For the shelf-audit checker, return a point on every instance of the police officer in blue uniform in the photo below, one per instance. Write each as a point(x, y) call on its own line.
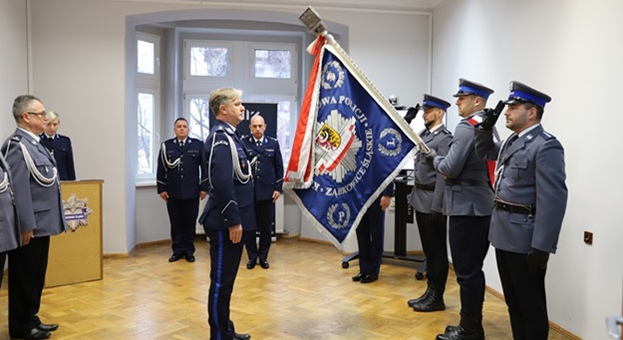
point(427, 201)
point(60, 147)
point(37, 193)
point(468, 199)
point(529, 206)
point(9, 226)
point(267, 169)
point(370, 236)
point(230, 210)
point(182, 181)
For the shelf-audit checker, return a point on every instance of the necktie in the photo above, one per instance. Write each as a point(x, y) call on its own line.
point(258, 143)
point(181, 143)
point(511, 140)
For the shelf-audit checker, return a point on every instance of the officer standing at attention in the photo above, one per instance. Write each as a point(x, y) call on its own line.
point(230, 210)
point(37, 192)
point(468, 201)
point(267, 169)
point(10, 237)
point(427, 201)
point(60, 147)
point(529, 206)
point(182, 182)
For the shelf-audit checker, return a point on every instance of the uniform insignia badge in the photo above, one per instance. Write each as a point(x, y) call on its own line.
point(529, 137)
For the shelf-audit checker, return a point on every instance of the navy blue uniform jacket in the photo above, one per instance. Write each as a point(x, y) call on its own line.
point(268, 167)
point(230, 200)
point(188, 177)
point(60, 147)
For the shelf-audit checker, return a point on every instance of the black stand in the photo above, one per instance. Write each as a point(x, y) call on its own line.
point(403, 215)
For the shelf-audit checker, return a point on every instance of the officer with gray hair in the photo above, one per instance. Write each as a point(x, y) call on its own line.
point(40, 211)
point(529, 206)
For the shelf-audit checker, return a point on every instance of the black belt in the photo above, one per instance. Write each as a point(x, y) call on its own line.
point(514, 208)
point(466, 182)
point(425, 187)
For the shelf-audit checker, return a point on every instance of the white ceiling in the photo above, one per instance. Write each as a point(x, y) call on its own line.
point(388, 5)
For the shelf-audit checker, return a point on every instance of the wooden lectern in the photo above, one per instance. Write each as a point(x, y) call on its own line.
point(76, 256)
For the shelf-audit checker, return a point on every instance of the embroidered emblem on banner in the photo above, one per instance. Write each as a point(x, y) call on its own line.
point(338, 145)
point(332, 76)
point(390, 142)
point(338, 216)
point(76, 212)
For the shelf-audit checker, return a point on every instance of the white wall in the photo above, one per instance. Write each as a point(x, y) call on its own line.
point(79, 67)
point(14, 65)
point(571, 50)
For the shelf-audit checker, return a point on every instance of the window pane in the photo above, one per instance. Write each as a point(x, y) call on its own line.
point(146, 57)
point(283, 129)
point(208, 61)
point(145, 134)
point(273, 64)
point(199, 123)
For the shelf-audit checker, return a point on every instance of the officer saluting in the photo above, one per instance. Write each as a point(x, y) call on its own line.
point(182, 181)
point(468, 203)
point(528, 208)
point(9, 226)
point(230, 209)
point(40, 213)
point(427, 200)
point(267, 169)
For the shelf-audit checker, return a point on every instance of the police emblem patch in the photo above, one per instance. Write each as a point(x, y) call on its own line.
point(76, 212)
point(338, 145)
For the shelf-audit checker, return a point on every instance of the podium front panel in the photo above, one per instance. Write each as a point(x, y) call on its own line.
point(76, 256)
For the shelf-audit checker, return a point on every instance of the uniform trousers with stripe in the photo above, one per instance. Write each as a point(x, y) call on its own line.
point(224, 259)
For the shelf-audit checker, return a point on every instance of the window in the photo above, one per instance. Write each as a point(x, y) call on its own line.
point(273, 64)
point(148, 104)
point(198, 108)
point(145, 133)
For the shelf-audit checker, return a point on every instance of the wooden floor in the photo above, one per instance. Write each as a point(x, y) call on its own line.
point(304, 295)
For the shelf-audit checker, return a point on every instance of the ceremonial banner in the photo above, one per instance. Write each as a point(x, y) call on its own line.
point(350, 144)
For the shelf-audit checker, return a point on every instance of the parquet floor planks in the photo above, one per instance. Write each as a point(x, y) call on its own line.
point(305, 295)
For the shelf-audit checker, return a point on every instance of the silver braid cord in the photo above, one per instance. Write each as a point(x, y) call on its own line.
point(5, 182)
point(242, 177)
point(39, 177)
point(165, 161)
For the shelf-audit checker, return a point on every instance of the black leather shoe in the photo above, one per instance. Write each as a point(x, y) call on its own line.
point(190, 258)
point(47, 327)
point(33, 334)
point(369, 278)
point(175, 258)
point(251, 264)
point(264, 264)
point(358, 277)
point(241, 336)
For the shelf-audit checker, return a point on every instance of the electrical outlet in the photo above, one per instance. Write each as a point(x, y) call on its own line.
point(588, 237)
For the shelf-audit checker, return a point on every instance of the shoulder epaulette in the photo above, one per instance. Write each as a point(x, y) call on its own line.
point(271, 138)
point(546, 135)
point(16, 138)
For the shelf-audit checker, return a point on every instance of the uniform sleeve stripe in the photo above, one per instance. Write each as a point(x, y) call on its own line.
point(227, 206)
